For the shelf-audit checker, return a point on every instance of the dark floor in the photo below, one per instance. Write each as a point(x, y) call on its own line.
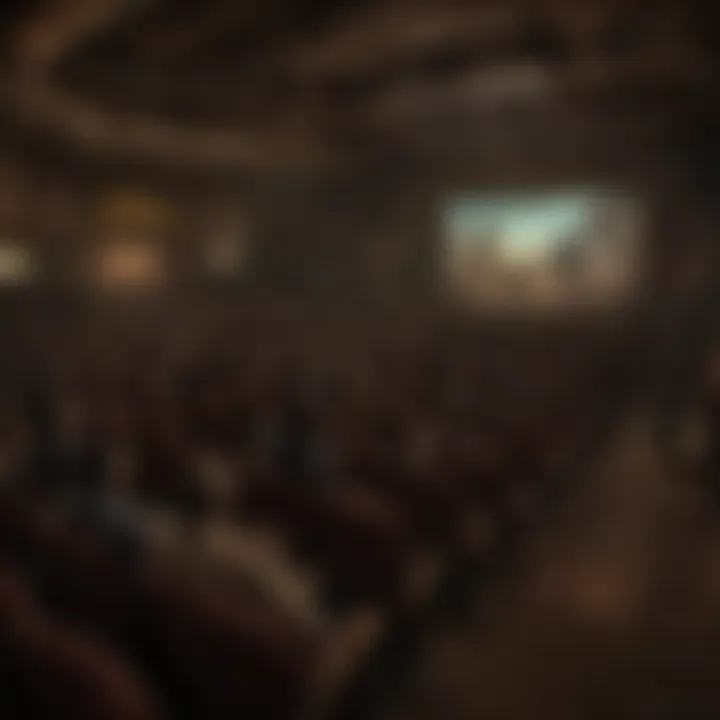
point(614, 611)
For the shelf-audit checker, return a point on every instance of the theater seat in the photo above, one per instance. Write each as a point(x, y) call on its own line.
point(359, 538)
point(208, 650)
point(88, 681)
point(233, 658)
point(365, 542)
point(15, 595)
point(48, 670)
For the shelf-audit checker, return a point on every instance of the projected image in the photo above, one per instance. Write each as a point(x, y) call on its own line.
point(548, 251)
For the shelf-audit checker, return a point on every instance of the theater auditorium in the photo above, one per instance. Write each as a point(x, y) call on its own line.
point(359, 360)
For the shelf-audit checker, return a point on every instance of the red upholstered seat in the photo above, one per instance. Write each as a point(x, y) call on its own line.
point(364, 540)
point(431, 505)
point(50, 670)
point(15, 595)
point(209, 651)
point(78, 579)
point(234, 656)
point(277, 503)
point(359, 537)
point(59, 673)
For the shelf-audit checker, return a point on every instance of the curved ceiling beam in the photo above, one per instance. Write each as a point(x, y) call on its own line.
point(483, 86)
point(57, 114)
point(388, 34)
point(50, 33)
point(31, 97)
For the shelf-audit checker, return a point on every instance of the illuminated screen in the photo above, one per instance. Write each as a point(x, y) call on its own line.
point(541, 252)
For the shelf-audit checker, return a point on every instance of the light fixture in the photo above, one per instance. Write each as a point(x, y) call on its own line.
point(131, 264)
point(17, 266)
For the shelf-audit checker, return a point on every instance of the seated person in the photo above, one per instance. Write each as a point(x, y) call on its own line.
point(295, 441)
point(74, 460)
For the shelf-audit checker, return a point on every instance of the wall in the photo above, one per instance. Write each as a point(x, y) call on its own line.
point(370, 239)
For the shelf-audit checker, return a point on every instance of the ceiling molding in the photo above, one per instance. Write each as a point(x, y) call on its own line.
point(387, 34)
point(319, 87)
point(33, 99)
point(59, 115)
point(45, 37)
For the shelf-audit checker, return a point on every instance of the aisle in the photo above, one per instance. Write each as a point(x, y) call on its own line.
point(614, 613)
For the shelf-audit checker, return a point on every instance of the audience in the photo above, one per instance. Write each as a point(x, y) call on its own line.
point(167, 492)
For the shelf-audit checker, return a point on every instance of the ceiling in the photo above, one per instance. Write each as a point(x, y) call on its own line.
point(327, 83)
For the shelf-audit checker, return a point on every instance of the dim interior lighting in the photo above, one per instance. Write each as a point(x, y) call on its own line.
point(16, 264)
point(226, 255)
point(131, 264)
point(544, 251)
point(507, 82)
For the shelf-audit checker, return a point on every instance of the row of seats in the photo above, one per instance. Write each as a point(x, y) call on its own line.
point(196, 607)
point(205, 647)
point(210, 649)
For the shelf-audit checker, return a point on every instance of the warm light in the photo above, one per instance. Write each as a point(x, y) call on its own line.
point(123, 209)
point(16, 264)
point(131, 264)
